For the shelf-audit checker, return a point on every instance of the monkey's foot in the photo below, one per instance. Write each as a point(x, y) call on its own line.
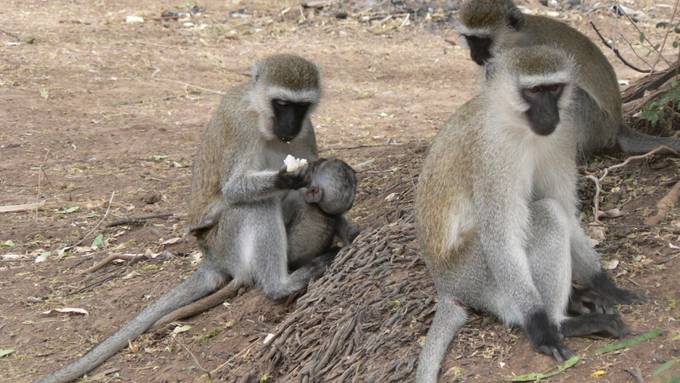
point(546, 338)
point(601, 296)
point(595, 323)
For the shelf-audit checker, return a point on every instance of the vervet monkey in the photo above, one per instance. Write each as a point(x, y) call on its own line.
point(496, 212)
point(238, 164)
point(314, 215)
point(599, 116)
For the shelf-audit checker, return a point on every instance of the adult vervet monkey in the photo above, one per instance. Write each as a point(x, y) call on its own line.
point(239, 165)
point(600, 125)
point(496, 210)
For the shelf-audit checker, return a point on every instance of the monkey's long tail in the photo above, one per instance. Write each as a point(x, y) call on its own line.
point(633, 142)
point(203, 281)
point(448, 319)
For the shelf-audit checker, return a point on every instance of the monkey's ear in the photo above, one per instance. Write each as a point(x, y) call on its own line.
point(255, 72)
point(312, 194)
point(515, 19)
point(489, 71)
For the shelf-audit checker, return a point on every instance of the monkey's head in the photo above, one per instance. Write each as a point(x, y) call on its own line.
point(284, 91)
point(480, 22)
point(535, 83)
point(332, 186)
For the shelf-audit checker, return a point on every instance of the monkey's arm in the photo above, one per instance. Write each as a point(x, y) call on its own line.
point(253, 186)
point(291, 205)
point(346, 230)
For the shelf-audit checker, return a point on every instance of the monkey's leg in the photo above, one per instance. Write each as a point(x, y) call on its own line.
point(633, 142)
point(203, 281)
point(601, 292)
point(271, 262)
point(550, 264)
point(594, 323)
point(448, 319)
point(209, 218)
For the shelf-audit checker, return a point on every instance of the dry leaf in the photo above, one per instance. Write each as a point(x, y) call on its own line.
point(598, 373)
point(67, 310)
point(171, 241)
point(610, 265)
point(181, 329)
point(613, 213)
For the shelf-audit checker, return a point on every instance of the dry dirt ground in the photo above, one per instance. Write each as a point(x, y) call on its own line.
point(99, 118)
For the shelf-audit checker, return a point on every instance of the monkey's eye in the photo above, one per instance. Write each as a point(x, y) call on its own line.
point(280, 102)
point(555, 88)
point(533, 91)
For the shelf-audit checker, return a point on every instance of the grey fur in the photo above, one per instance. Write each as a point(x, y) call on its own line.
point(600, 119)
point(236, 205)
point(496, 212)
point(311, 227)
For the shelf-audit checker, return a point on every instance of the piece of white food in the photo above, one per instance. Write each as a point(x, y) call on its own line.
point(294, 164)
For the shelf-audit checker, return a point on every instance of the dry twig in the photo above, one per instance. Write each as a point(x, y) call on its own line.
point(664, 205)
point(194, 358)
point(96, 226)
point(137, 220)
point(617, 52)
point(598, 181)
point(114, 257)
point(23, 207)
point(665, 37)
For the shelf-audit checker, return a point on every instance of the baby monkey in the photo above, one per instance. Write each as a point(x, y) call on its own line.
point(314, 215)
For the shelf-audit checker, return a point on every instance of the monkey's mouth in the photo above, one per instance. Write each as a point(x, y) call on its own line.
point(286, 139)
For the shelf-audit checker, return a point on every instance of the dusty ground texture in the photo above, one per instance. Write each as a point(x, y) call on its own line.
point(99, 118)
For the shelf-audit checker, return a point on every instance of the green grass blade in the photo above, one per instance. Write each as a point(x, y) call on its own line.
point(536, 376)
point(628, 342)
point(665, 366)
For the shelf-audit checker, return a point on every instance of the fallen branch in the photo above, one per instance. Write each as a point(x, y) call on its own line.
point(664, 205)
point(137, 220)
point(96, 226)
point(114, 257)
point(617, 52)
point(201, 305)
point(598, 181)
point(23, 207)
point(649, 83)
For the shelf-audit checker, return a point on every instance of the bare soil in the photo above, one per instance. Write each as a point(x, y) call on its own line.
point(100, 118)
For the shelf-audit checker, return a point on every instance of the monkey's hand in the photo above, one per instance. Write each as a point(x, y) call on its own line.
point(585, 301)
point(545, 337)
point(294, 180)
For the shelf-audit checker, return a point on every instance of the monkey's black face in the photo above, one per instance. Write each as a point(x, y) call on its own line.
point(544, 112)
point(480, 48)
point(288, 118)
